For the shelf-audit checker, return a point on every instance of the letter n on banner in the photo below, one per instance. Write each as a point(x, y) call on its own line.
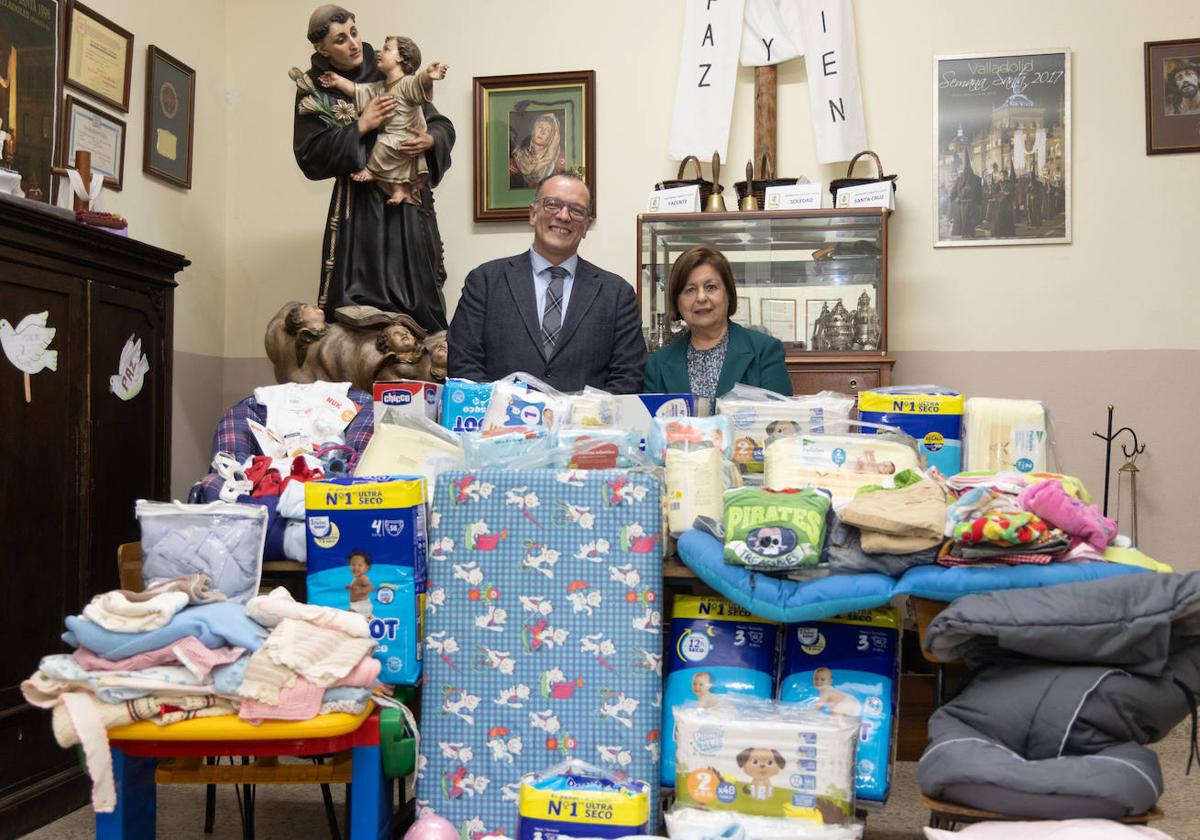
point(712, 38)
point(835, 97)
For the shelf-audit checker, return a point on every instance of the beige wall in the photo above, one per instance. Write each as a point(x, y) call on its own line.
point(1108, 318)
point(191, 222)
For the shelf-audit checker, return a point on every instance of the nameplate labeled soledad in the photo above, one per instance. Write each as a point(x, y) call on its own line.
point(675, 200)
point(881, 194)
point(793, 197)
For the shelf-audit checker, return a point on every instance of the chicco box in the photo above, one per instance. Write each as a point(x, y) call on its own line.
point(406, 396)
point(637, 410)
point(848, 667)
point(931, 415)
point(464, 403)
point(366, 553)
point(717, 648)
point(577, 799)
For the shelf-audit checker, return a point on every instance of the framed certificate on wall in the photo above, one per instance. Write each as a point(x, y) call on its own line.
point(170, 115)
point(87, 129)
point(99, 57)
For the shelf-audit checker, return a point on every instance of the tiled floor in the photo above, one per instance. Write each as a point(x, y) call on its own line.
point(288, 812)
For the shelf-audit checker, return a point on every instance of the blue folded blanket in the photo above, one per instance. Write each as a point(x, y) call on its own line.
point(215, 625)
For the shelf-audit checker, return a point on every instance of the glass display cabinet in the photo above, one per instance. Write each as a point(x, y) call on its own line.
point(814, 279)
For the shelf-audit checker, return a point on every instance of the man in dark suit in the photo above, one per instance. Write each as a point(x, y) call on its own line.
point(547, 312)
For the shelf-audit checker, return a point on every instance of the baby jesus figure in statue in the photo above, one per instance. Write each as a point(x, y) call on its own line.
point(399, 175)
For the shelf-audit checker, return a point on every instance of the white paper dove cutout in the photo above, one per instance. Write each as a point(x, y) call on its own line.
point(27, 346)
point(132, 370)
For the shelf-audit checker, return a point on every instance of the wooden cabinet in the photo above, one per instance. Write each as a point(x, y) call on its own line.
point(847, 375)
point(74, 460)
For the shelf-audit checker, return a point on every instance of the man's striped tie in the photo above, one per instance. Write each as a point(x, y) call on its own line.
point(552, 314)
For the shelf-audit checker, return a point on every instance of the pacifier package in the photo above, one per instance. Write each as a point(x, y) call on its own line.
point(366, 553)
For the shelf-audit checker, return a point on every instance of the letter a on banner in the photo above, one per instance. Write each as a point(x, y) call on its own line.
point(835, 97)
point(712, 37)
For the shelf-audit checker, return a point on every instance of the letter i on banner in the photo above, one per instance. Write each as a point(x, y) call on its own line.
point(835, 97)
point(712, 37)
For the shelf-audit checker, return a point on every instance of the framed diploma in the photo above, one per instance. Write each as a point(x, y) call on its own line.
point(87, 129)
point(170, 118)
point(99, 57)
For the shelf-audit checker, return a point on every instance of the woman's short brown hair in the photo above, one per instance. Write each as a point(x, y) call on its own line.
point(689, 261)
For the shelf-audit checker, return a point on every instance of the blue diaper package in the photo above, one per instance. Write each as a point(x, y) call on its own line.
point(716, 648)
point(932, 415)
point(464, 403)
point(849, 666)
point(366, 553)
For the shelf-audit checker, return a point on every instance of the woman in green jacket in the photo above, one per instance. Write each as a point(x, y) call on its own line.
point(715, 354)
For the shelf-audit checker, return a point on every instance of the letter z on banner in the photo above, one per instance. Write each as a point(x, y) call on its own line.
point(712, 37)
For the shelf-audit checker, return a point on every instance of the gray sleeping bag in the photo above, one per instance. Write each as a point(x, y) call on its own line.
point(1067, 683)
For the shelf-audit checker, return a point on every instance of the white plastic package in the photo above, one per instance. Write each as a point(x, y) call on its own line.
point(667, 430)
point(697, 824)
point(1001, 435)
point(756, 413)
point(223, 540)
point(520, 399)
point(839, 463)
point(695, 484)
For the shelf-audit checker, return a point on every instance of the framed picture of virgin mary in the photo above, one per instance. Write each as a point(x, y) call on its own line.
point(526, 128)
point(31, 37)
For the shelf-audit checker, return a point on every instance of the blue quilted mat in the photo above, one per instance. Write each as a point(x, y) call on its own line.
point(543, 635)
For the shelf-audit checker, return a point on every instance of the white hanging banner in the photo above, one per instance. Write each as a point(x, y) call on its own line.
point(772, 32)
point(834, 94)
point(712, 35)
point(90, 192)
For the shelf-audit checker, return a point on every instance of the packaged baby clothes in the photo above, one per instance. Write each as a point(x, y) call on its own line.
point(505, 447)
point(464, 403)
point(592, 407)
point(636, 411)
point(695, 484)
point(665, 431)
point(775, 531)
point(223, 540)
point(756, 414)
point(931, 414)
point(767, 759)
point(848, 667)
point(598, 448)
point(366, 553)
point(514, 403)
point(840, 464)
point(577, 799)
point(717, 648)
point(1004, 435)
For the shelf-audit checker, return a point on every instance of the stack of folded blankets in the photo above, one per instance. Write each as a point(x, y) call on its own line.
point(179, 651)
point(1008, 519)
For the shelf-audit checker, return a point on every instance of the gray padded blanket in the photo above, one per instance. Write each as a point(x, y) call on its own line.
point(1068, 681)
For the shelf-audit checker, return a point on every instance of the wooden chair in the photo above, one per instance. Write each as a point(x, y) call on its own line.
point(925, 611)
point(949, 816)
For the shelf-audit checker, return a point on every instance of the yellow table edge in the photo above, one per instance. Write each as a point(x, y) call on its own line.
point(233, 728)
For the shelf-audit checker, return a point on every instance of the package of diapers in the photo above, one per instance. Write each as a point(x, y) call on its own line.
point(667, 430)
point(695, 477)
point(717, 648)
point(775, 531)
point(464, 403)
point(515, 403)
point(840, 463)
point(849, 667)
point(577, 799)
point(366, 553)
point(767, 759)
point(931, 414)
point(757, 413)
point(1001, 435)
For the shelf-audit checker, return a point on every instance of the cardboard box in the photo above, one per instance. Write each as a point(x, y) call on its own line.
point(406, 396)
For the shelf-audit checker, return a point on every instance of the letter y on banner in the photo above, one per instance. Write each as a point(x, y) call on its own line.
point(712, 38)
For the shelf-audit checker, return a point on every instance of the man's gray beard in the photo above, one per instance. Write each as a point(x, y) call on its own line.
point(1188, 90)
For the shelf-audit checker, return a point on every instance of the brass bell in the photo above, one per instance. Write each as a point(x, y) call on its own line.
point(716, 201)
point(749, 202)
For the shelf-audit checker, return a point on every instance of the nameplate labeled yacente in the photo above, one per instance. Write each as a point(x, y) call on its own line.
point(675, 200)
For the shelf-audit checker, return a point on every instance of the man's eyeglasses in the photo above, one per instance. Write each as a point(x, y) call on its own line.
point(553, 205)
